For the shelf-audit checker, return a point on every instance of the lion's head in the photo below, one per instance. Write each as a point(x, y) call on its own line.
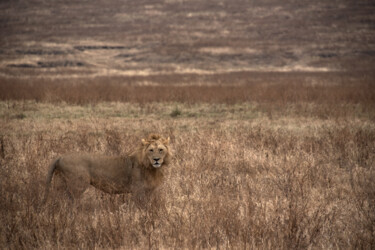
point(155, 151)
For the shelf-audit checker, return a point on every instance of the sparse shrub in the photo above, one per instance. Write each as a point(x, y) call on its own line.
point(20, 116)
point(175, 112)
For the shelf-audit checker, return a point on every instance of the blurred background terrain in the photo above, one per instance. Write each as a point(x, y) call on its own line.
point(183, 39)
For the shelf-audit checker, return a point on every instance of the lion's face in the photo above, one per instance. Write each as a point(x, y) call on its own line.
point(156, 151)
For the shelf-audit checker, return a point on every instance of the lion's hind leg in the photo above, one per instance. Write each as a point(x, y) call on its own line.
point(69, 187)
point(76, 185)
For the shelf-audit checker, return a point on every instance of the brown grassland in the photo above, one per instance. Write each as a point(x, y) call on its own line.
point(275, 165)
point(270, 107)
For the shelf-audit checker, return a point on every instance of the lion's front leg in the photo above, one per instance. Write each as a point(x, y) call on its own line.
point(148, 199)
point(141, 197)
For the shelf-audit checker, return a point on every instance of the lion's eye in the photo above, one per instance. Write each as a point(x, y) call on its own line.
point(160, 150)
point(151, 150)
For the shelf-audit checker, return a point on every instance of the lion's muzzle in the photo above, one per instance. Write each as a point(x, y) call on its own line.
point(157, 163)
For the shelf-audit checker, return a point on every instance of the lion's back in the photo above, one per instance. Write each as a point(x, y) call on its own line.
point(94, 164)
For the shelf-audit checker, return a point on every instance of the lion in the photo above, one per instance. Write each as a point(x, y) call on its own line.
point(139, 173)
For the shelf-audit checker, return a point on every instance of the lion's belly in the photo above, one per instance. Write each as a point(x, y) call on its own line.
point(110, 186)
point(112, 179)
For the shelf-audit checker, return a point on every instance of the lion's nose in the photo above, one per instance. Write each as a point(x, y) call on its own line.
point(156, 159)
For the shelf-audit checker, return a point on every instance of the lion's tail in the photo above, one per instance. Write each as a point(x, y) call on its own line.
point(51, 171)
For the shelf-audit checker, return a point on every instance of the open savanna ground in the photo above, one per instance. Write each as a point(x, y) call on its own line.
point(97, 38)
point(290, 166)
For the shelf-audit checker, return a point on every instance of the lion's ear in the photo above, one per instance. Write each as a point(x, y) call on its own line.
point(166, 141)
point(144, 142)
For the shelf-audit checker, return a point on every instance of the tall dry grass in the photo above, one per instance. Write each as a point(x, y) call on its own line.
point(267, 173)
point(230, 88)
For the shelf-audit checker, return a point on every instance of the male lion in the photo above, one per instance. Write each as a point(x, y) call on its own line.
point(139, 173)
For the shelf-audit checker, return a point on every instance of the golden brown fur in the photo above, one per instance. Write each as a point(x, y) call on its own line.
point(138, 173)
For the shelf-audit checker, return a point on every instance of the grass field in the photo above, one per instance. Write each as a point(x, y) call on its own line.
point(255, 166)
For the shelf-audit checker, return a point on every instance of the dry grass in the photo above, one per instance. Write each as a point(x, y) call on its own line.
point(272, 169)
point(237, 87)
